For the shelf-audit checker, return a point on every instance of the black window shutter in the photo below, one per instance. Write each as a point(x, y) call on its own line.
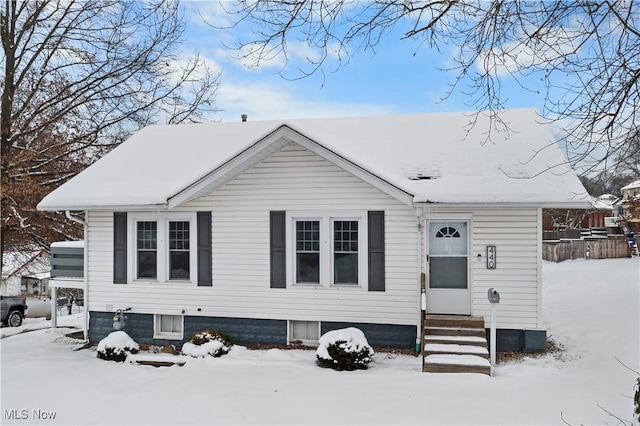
point(277, 249)
point(205, 270)
point(119, 248)
point(376, 251)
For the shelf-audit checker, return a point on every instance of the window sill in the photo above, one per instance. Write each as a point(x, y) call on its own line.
point(168, 336)
point(158, 282)
point(337, 286)
point(307, 285)
point(340, 286)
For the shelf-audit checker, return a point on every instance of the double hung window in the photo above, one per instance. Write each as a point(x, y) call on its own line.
point(329, 250)
point(179, 250)
point(147, 249)
point(345, 252)
point(308, 251)
point(164, 249)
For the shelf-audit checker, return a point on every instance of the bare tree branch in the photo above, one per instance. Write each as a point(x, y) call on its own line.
point(79, 76)
point(586, 54)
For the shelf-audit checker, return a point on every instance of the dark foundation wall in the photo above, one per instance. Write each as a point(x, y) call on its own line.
point(520, 340)
point(245, 331)
point(140, 328)
point(379, 335)
point(265, 331)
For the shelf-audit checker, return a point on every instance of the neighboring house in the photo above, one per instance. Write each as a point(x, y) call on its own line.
point(629, 207)
point(602, 213)
point(598, 219)
point(276, 231)
point(25, 272)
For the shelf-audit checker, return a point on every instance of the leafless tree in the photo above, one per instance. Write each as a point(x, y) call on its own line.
point(629, 156)
point(79, 76)
point(583, 55)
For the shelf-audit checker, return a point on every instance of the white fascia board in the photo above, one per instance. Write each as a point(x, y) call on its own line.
point(267, 146)
point(122, 207)
point(582, 205)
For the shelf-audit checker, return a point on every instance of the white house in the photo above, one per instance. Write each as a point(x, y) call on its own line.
point(627, 207)
point(275, 231)
point(25, 272)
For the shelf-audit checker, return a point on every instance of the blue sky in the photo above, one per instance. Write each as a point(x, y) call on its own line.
point(399, 77)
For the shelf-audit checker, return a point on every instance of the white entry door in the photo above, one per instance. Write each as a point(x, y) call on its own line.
point(448, 262)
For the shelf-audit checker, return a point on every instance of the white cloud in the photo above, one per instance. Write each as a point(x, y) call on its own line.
point(178, 67)
point(295, 54)
point(262, 101)
point(205, 13)
point(510, 58)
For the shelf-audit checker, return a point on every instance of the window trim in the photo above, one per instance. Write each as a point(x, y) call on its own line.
point(162, 251)
point(362, 250)
point(159, 334)
point(307, 342)
point(192, 249)
point(294, 225)
point(326, 219)
point(137, 251)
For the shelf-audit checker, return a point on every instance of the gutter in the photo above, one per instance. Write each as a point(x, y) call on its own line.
point(85, 272)
point(582, 205)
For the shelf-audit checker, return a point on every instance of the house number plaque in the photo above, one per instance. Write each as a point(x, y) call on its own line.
point(491, 257)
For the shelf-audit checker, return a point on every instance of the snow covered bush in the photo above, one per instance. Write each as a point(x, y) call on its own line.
point(115, 347)
point(207, 342)
point(344, 349)
point(636, 404)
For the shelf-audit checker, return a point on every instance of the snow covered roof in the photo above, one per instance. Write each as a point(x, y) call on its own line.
point(29, 262)
point(420, 158)
point(68, 244)
point(604, 202)
point(633, 185)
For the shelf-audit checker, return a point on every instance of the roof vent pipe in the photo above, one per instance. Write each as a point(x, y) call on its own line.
point(243, 117)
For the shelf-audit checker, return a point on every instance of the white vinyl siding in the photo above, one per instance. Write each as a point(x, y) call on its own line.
point(514, 232)
point(292, 179)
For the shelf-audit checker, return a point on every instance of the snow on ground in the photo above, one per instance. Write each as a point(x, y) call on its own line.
point(75, 320)
point(591, 307)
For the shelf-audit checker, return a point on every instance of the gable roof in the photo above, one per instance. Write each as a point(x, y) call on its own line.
point(419, 158)
point(35, 261)
point(633, 185)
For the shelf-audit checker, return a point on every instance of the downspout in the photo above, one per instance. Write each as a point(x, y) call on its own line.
point(85, 277)
point(420, 274)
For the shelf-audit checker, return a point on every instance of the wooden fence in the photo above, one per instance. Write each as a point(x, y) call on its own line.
point(587, 248)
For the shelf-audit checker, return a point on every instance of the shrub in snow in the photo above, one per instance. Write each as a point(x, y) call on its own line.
point(345, 349)
point(636, 404)
point(207, 342)
point(115, 347)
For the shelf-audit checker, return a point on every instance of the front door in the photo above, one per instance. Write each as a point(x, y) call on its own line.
point(448, 261)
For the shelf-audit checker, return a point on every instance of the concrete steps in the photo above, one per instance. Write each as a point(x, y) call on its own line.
point(455, 344)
